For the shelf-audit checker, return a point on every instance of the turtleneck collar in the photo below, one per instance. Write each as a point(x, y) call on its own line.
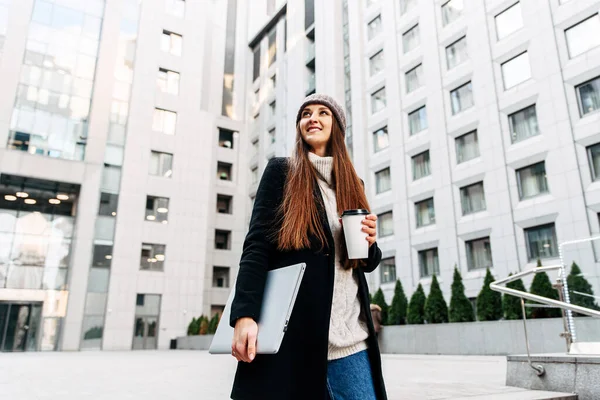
point(322, 164)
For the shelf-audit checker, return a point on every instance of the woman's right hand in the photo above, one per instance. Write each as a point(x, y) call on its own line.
point(243, 347)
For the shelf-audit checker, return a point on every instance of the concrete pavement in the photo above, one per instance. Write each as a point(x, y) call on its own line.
point(181, 374)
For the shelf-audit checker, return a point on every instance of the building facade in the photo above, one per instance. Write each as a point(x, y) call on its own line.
point(133, 136)
point(120, 159)
point(475, 125)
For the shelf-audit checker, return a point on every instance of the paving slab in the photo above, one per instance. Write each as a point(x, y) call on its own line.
point(184, 374)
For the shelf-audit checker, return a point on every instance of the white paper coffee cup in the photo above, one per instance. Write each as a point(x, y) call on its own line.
point(356, 242)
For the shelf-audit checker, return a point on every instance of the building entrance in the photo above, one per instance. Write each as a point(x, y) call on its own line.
point(19, 323)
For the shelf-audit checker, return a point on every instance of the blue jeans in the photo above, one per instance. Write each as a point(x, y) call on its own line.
point(349, 378)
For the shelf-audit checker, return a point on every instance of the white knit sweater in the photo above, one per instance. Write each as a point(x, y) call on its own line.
point(347, 328)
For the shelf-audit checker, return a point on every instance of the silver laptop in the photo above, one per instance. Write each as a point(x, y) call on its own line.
point(281, 289)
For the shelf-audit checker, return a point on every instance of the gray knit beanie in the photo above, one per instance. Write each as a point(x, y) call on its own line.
point(328, 101)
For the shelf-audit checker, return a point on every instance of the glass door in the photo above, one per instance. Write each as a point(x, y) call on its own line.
point(19, 326)
point(145, 334)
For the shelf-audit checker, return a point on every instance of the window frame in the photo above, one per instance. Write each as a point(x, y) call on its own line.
point(430, 210)
point(385, 266)
point(448, 67)
point(511, 127)
point(413, 165)
point(378, 180)
point(379, 225)
point(530, 256)
point(406, 50)
point(519, 181)
point(469, 253)
point(464, 194)
point(571, 56)
point(422, 255)
point(579, 101)
point(498, 38)
point(459, 160)
point(462, 109)
point(595, 175)
point(508, 61)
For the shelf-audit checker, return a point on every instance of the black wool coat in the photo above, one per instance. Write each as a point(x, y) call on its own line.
point(299, 369)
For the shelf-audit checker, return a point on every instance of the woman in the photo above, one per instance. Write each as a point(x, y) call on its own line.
point(329, 350)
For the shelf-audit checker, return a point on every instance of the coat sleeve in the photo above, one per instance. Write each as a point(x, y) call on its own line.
point(374, 252)
point(258, 246)
point(374, 258)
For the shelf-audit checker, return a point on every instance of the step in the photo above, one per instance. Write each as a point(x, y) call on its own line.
point(522, 394)
point(585, 348)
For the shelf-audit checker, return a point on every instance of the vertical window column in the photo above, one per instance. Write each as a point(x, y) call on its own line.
point(99, 276)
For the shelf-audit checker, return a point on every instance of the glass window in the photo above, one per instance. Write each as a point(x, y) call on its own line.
point(226, 138)
point(108, 204)
point(381, 139)
point(532, 180)
point(171, 43)
point(111, 178)
point(414, 78)
point(421, 165)
point(457, 53)
point(157, 209)
point(152, 257)
point(472, 198)
point(161, 164)
point(516, 70)
point(541, 242)
point(273, 109)
point(461, 98)
point(385, 224)
point(479, 254)
point(411, 39)
point(220, 277)
point(175, 8)
point(376, 63)
point(588, 95)
point(164, 121)
point(451, 11)
point(224, 204)
point(467, 147)
point(407, 5)
point(425, 212)
point(222, 239)
point(383, 181)
point(374, 27)
point(256, 63)
point(378, 100)
point(417, 120)
point(224, 171)
point(428, 262)
point(509, 21)
point(98, 280)
point(583, 36)
point(92, 331)
point(594, 159)
point(387, 270)
point(167, 81)
point(272, 47)
point(102, 256)
point(523, 124)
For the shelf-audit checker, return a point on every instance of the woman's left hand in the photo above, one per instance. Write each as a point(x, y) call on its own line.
point(370, 227)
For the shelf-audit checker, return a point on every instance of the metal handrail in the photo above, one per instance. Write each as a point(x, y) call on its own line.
point(540, 299)
point(566, 307)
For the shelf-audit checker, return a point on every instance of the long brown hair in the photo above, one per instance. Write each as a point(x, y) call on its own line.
point(299, 214)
